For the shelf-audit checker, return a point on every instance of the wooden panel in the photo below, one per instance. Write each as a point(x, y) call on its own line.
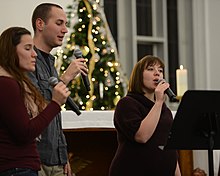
point(186, 162)
point(91, 151)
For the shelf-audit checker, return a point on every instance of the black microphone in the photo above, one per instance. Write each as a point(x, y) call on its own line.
point(169, 92)
point(54, 81)
point(78, 54)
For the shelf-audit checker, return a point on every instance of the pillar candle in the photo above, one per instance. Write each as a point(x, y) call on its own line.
point(181, 81)
point(101, 92)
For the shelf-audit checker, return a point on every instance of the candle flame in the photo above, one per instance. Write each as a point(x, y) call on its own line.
point(181, 67)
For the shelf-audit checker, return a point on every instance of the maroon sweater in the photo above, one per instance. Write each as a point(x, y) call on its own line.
point(141, 159)
point(17, 131)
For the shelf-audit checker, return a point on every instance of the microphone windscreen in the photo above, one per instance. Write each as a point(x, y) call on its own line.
point(53, 81)
point(77, 53)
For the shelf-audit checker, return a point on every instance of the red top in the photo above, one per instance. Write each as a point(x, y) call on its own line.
point(17, 131)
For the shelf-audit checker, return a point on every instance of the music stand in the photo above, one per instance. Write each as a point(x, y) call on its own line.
point(196, 125)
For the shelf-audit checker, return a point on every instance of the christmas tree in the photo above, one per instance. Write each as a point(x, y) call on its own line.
point(89, 31)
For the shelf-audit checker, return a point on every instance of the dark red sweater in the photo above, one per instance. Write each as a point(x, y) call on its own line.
point(17, 131)
point(141, 159)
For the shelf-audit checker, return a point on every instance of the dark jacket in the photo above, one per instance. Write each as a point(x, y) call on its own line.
point(52, 146)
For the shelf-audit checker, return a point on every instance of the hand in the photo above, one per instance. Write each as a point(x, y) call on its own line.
point(76, 66)
point(160, 89)
point(60, 93)
point(67, 169)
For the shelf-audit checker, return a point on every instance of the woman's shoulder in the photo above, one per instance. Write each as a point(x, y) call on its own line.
point(7, 79)
point(9, 88)
point(132, 97)
point(127, 101)
point(7, 82)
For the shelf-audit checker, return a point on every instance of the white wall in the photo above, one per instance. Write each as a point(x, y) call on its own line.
point(213, 33)
point(205, 39)
point(18, 13)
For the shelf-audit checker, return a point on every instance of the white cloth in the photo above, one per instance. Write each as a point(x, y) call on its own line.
point(216, 160)
point(88, 119)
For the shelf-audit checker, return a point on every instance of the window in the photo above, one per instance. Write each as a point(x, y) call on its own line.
point(144, 14)
point(111, 16)
point(152, 25)
point(172, 41)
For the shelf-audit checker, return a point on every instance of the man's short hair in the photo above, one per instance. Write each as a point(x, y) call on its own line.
point(42, 11)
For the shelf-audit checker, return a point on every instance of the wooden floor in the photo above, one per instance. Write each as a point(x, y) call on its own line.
point(91, 152)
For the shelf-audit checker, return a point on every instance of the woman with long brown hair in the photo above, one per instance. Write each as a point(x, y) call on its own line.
point(24, 113)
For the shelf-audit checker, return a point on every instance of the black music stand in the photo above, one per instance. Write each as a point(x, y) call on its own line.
point(196, 125)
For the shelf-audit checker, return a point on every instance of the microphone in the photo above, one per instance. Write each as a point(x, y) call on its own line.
point(169, 92)
point(54, 81)
point(78, 54)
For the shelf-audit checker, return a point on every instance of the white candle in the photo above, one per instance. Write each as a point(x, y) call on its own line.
point(181, 81)
point(101, 92)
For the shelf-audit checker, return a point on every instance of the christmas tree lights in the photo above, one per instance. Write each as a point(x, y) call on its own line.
point(89, 31)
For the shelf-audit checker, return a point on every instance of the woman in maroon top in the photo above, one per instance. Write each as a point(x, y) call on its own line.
point(143, 121)
point(24, 114)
